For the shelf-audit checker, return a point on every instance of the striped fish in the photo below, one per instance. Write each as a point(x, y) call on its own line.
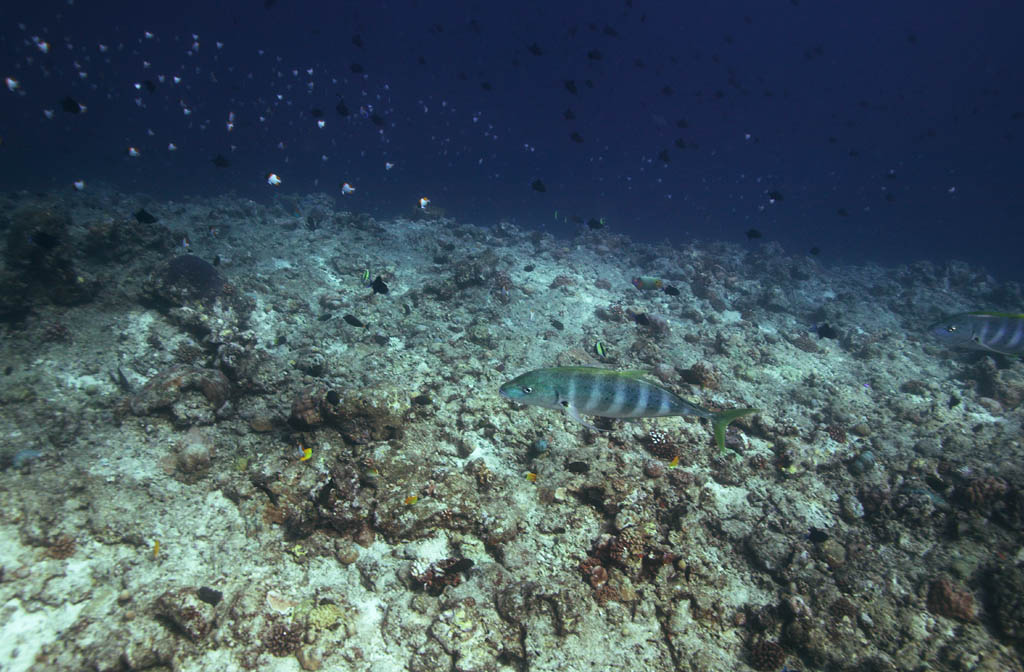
point(994, 332)
point(609, 394)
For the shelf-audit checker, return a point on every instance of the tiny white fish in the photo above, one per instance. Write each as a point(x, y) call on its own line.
point(133, 152)
point(12, 84)
point(171, 147)
point(149, 35)
point(78, 185)
point(424, 202)
point(347, 188)
point(273, 180)
point(48, 114)
point(320, 123)
point(388, 165)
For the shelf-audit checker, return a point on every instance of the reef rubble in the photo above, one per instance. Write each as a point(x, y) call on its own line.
point(240, 455)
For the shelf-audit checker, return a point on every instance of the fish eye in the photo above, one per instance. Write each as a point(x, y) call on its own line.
point(527, 390)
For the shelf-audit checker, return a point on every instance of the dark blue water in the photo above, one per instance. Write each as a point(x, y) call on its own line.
point(871, 131)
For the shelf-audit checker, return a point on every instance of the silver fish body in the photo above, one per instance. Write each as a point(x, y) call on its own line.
point(994, 332)
point(610, 394)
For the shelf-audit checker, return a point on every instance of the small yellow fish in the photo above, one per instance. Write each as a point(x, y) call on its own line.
point(424, 202)
point(411, 499)
point(306, 452)
point(531, 477)
point(156, 548)
point(674, 463)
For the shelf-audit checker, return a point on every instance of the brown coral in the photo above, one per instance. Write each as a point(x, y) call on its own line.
point(306, 407)
point(281, 639)
point(659, 445)
point(984, 492)
point(166, 387)
point(61, 547)
point(561, 281)
point(702, 375)
point(438, 575)
point(946, 599)
point(767, 655)
point(837, 433)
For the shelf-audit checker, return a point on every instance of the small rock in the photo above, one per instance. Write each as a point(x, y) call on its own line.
point(653, 468)
point(851, 508)
point(990, 405)
point(861, 429)
point(309, 658)
point(346, 552)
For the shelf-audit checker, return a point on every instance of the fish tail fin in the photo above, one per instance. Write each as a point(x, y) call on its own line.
point(719, 421)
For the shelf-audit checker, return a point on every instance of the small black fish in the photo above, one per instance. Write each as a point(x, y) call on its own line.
point(70, 105)
point(680, 143)
point(569, 114)
point(143, 217)
point(535, 49)
point(663, 155)
point(356, 69)
point(595, 55)
point(377, 119)
point(529, 268)
point(814, 251)
point(570, 86)
point(538, 185)
point(575, 137)
point(216, 260)
point(324, 317)
point(341, 108)
point(358, 41)
point(578, 467)
point(671, 291)
point(753, 233)
point(827, 331)
point(817, 536)
point(149, 85)
point(641, 319)
point(595, 224)
point(609, 31)
point(317, 113)
point(379, 286)
point(209, 595)
point(557, 324)
point(220, 161)
point(486, 86)
point(843, 212)
point(354, 321)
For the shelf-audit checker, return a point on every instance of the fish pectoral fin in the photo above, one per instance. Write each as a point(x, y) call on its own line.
point(571, 411)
